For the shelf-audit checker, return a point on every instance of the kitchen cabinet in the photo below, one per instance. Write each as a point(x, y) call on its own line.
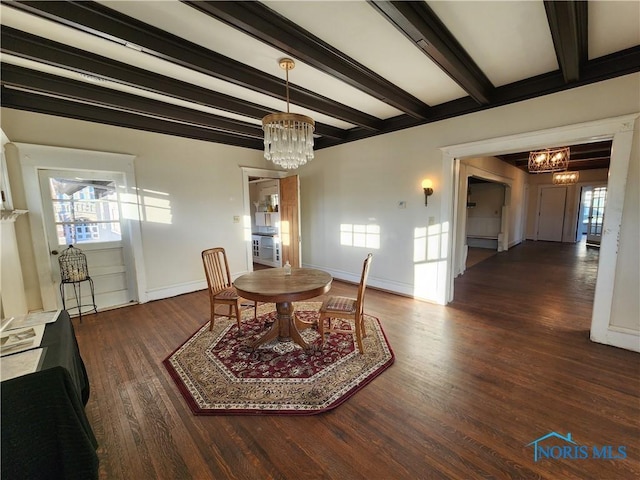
point(266, 250)
point(255, 246)
point(267, 219)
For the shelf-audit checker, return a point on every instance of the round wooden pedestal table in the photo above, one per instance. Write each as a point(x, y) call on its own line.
point(273, 286)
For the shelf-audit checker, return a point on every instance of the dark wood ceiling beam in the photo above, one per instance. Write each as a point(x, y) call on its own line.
point(577, 152)
point(81, 111)
point(101, 21)
point(589, 164)
point(266, 25)
point(44, 83)
point(616, 64)
point(568, 25)
point(585, 156)
point(32, 47)
point(603, 68)
point(420, 24)
point(610, 66)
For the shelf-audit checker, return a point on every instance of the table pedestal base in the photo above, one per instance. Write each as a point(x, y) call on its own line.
point(285, 328)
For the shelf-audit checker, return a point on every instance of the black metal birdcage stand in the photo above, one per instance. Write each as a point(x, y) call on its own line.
point(74, 271)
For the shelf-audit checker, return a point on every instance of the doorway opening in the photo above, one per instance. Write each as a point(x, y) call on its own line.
point(483, 229)
point(90, 166)
point(483, 218)
point(593, 200)
point(264, 199)
point(83, 209)
point(621, 131)
point(272, 218)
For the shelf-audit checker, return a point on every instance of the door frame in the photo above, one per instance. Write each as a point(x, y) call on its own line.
point(463, 171)
point(39, 157)
point(263, 173)
point(99, 273)
point(618, 129)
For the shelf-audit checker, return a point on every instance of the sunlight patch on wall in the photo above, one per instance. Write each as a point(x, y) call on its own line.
point(420, 244)
point(429, 257)
point(154, 206)
point(426, 280)
point(365, 236)
point(246, 227)
point(129, 206)
point(285, 233)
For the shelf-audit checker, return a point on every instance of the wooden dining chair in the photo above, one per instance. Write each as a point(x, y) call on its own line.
point(221, 289)
point(345, 308)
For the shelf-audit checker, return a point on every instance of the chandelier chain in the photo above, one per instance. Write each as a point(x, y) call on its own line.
point(287, 76)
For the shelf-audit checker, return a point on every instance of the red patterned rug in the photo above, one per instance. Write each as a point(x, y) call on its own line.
point(217, 375)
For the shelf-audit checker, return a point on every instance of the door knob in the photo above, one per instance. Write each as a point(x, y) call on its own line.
point(54, 252)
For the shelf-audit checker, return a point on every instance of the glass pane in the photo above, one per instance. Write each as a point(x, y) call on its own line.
point(85, 210)
point(86, 232)
point(597, 210)
point(96, 210)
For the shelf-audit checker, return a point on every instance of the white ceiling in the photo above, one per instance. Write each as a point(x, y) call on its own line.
point(510, 41)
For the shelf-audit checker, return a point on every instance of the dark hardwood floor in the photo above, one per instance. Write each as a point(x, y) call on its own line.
point(473, 384)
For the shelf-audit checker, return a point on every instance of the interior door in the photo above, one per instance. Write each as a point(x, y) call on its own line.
point(290, 220)
point(551, 213)
point(596, 215)
point(82, 209)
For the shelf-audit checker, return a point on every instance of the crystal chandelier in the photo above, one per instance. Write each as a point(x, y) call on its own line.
point(549, 160)
point(288, 137)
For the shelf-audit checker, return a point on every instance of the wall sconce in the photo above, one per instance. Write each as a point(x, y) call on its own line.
point(427, 186)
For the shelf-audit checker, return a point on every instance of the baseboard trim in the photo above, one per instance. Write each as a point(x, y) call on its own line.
point(396, 288)
point(621, 338)
point(175, 290)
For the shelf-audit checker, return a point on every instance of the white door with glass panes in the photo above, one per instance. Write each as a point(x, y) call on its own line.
point(82, 209)
point(596, 201)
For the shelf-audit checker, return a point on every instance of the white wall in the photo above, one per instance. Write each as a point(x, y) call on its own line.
point(535, 181)
point(490, 168)
point(360, 183)
point(191, 192)
point(625, 313)
point(512, 218)
point(485, 218)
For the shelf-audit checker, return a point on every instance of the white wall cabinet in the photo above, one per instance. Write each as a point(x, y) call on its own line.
point(267, 219)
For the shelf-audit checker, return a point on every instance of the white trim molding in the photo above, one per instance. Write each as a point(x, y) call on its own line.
point(13, 300)
point(618, 129)
point(34, 157)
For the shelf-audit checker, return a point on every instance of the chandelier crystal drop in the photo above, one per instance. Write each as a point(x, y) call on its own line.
point(288, 137)
point(549, 160)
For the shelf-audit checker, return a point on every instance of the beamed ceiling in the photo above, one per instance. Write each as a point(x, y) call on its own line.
point(209, 70)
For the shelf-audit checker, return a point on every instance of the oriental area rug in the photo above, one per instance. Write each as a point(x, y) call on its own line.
point(218, 375)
